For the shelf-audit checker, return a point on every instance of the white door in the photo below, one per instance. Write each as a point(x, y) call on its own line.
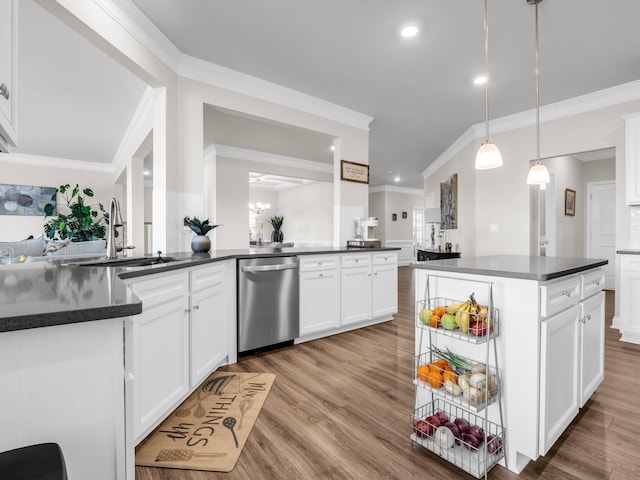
point(601, 226)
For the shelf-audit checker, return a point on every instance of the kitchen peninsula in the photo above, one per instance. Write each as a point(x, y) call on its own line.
point(93, 357)
point(550, 346)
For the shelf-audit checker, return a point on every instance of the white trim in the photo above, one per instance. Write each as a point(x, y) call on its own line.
point(585, 103)
point(138, 25)
point(219, 76)
point(396, 189)
point(270, 158)
point(143, 112)
point(55, 162)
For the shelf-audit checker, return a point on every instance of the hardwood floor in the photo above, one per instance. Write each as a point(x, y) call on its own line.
point(340, 409)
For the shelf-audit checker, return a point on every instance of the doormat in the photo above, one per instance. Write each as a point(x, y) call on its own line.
point(209, 430)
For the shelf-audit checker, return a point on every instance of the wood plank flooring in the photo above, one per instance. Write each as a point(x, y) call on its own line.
point(340, 409)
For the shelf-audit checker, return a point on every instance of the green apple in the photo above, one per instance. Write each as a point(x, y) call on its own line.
point(425, 316)
point(448, 322)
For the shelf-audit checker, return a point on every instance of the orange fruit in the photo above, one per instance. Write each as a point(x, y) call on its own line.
point(450, 376)
point(439, 311)
point(434, 321)
point(423, 373)
point(435, 379)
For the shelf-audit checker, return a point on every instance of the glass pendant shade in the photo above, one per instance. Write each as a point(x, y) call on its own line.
point(488, 156)
point(538, 175)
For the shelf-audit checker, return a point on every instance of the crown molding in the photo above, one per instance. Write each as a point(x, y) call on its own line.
point(55, 162)
point(264, 157)
point(219, 76)
point(589, 102)
point(396, 189)
point(137, 24)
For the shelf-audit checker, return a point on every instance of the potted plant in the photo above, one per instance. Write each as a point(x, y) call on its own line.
point(276, 223)
point(200, 243)
point(82, 223)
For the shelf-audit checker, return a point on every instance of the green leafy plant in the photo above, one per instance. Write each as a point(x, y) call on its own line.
point(199, 227)
point(82, 223)
point(276, 222)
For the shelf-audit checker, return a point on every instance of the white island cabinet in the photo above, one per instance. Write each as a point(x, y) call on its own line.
point(319, 293)
point(551, 343)
point(629, 320)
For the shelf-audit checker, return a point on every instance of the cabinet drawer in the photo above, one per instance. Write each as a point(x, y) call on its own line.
point(206, 277)
point(592, 282)
point(386, 258)
point(312, 263)
point(558, 295)
point(356, 260)
point(161, 289)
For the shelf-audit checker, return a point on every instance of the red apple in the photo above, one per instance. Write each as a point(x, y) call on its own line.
point(479, 329)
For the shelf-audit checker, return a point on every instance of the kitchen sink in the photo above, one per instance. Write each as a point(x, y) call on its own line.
point(122, 262)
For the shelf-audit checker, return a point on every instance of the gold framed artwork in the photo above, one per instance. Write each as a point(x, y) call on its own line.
point(449, 202)
point(354, 172)
point(569, 202)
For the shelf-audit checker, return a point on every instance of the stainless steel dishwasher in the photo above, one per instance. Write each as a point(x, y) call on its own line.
point(268, 309)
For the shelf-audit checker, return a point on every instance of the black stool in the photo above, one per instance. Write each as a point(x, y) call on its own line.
point(35, 462)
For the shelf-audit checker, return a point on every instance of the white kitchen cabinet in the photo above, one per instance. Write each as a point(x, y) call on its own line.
point(385, 284)
point(356, 288)
point(591, 345)
point(559, 375)
point(633, 158)
point(209, 320)
point(629, 322)
point(319, 294)
point(157, 349)
point(8, 73)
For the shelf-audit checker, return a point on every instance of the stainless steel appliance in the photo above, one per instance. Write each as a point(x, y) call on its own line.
point(268, 309)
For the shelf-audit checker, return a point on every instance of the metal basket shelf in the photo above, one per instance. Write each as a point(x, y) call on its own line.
point(491, 319)
point(475, 461)
point(476, 403)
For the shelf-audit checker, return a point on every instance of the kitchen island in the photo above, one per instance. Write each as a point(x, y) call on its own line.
point(93, 357)
point(550, 346)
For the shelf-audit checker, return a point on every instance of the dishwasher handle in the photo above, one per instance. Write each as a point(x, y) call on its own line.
point(270, 268)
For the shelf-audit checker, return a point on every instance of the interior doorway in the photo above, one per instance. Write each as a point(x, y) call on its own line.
point(601, 226)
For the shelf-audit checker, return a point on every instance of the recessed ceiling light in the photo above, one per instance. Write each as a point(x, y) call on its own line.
point(480, 80)
point(409, 31)
point(332, 148)
point(146, 172)
point(397, 179)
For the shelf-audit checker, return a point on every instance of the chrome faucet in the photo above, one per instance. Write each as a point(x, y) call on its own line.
point(115, 221)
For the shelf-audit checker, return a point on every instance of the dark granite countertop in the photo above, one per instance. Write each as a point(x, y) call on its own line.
point(47, 293)
point(629, 251)
point(514, 266)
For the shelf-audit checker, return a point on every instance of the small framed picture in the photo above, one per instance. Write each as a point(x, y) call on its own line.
point(394, 217)
point(404, 214)
point(569, 202)
point(354, 172)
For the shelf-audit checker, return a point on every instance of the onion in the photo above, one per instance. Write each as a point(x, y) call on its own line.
point(478, 380)
point(444, 437)
point(478, 368)
point(452, 388)
point(463, 382)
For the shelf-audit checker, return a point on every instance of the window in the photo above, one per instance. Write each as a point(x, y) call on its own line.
point(418, 229)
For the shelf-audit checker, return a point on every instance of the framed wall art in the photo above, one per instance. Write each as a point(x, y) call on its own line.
point(354, 172)
point(26, 199)
point(449, 202)
point(569, 202)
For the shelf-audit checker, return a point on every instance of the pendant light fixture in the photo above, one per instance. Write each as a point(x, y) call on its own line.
point(488, 155)
point(538, 174)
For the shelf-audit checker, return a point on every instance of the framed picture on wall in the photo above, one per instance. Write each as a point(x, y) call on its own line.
point(449, 202)
point(569, 202)
point(394, 216)
point(404, 214)
point(354, 172)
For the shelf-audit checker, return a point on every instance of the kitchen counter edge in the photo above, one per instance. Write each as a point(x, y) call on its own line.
point(115, 299)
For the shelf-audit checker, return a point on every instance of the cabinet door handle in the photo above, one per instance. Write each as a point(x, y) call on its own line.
point(567, 293)
point(187, 310)
point(196, 307)
point(584, 319)
point(321, 275)
point(4, 91)
point(597, 282)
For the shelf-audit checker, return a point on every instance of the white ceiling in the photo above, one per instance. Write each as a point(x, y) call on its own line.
point(420, 91)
